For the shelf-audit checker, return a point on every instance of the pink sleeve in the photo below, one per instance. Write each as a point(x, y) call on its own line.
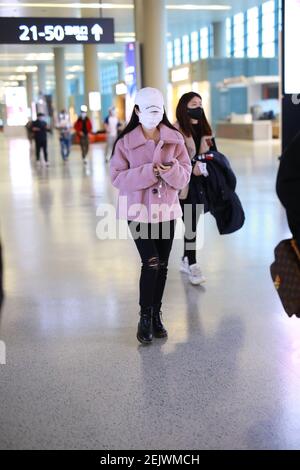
point(130, 179)
point(180, 173)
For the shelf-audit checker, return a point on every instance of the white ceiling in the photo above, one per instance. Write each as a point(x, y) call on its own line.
point(179, 23)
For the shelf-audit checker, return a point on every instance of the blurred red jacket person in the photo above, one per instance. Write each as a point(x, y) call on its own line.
point(83, 125)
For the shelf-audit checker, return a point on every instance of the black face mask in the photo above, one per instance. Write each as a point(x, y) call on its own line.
point(195, 113)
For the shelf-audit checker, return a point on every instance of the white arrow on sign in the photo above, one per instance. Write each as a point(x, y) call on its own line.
point(97, 31)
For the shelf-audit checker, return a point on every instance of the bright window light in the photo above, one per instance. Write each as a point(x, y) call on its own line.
point(111, 6)
point(195, 46)
point(204, 44)
point(239, 35)
point(228, 36)
point(268, 29)
point(170, 55)
point(253, 32)
point(186, 49)
point(90, 6)
point(177, 52)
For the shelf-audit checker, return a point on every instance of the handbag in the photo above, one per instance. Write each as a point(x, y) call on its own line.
point(285, 272)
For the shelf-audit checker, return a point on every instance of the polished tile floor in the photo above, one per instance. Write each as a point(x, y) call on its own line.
point(75, 377)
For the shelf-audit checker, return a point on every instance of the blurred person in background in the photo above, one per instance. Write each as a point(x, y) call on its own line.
point(83, 127)
point(64, 128)
point(40, 129)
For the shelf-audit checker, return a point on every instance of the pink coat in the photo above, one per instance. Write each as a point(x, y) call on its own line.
point(140, 197)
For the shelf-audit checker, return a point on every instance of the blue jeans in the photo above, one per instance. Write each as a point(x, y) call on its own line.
point(65, 146)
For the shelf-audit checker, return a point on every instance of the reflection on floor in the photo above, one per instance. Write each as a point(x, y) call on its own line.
point(75, 377)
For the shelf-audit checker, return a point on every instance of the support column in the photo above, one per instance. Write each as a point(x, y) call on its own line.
point(121, 71)
point(151, 32)
point(139, 20)
point(91, 69)
point(219, 39)
point(60, 78)
point(29, 90)
point(41, 78)
point(91, 79)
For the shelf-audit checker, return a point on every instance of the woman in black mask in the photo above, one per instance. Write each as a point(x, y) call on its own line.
point(192, 123)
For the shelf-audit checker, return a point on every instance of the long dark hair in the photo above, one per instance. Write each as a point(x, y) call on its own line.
point(184, 120)
point(134, 123)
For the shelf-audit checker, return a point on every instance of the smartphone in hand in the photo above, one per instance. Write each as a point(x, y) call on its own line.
point(169, 164)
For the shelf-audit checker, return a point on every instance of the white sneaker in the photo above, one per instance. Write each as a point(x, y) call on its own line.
point(185, 267)
point(193, 271)
point(85, 161)
point(47, 164)
point(196, 277)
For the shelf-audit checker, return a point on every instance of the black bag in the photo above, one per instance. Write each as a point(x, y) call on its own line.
point(285, 272)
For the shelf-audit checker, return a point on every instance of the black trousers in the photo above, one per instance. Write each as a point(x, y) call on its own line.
point(84, 145)
point(41, 144)
point(190, 219)
point(154, 243)
point(294, 224)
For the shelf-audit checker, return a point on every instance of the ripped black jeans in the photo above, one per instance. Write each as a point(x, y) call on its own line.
point(154, 243)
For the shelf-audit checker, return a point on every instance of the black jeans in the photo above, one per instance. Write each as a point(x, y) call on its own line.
point(294, 224)
point(41, 144)
point(190, 219)
point(84, 144)
point(154, 243)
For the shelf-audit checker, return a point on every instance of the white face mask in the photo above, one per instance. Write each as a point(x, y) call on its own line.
point(150, 120)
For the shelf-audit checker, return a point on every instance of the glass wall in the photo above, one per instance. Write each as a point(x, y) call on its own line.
point(229, 36)
point(186, 49)
point(268, 29)
point(253, 33)
point(195, 46)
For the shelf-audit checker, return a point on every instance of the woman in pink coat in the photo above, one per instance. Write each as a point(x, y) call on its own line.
point(149, 166)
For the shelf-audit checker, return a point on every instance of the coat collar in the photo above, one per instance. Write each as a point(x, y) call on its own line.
point(189, 141)
point(136, 137)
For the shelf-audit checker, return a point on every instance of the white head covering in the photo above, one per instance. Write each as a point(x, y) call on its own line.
point(149, 99)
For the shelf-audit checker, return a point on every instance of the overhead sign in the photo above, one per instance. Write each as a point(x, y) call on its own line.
point(56, 31)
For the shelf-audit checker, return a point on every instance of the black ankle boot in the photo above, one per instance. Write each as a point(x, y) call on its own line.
point(159, 331)
point(144, 332)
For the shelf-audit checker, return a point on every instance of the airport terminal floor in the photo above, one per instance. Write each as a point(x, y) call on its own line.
point(75, 377)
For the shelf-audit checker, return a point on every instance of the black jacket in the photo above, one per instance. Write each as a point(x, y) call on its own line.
point(288, 185)
point(217, 193)
point(41, 135)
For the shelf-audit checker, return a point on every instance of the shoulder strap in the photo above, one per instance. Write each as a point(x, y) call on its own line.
point(295, 248)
